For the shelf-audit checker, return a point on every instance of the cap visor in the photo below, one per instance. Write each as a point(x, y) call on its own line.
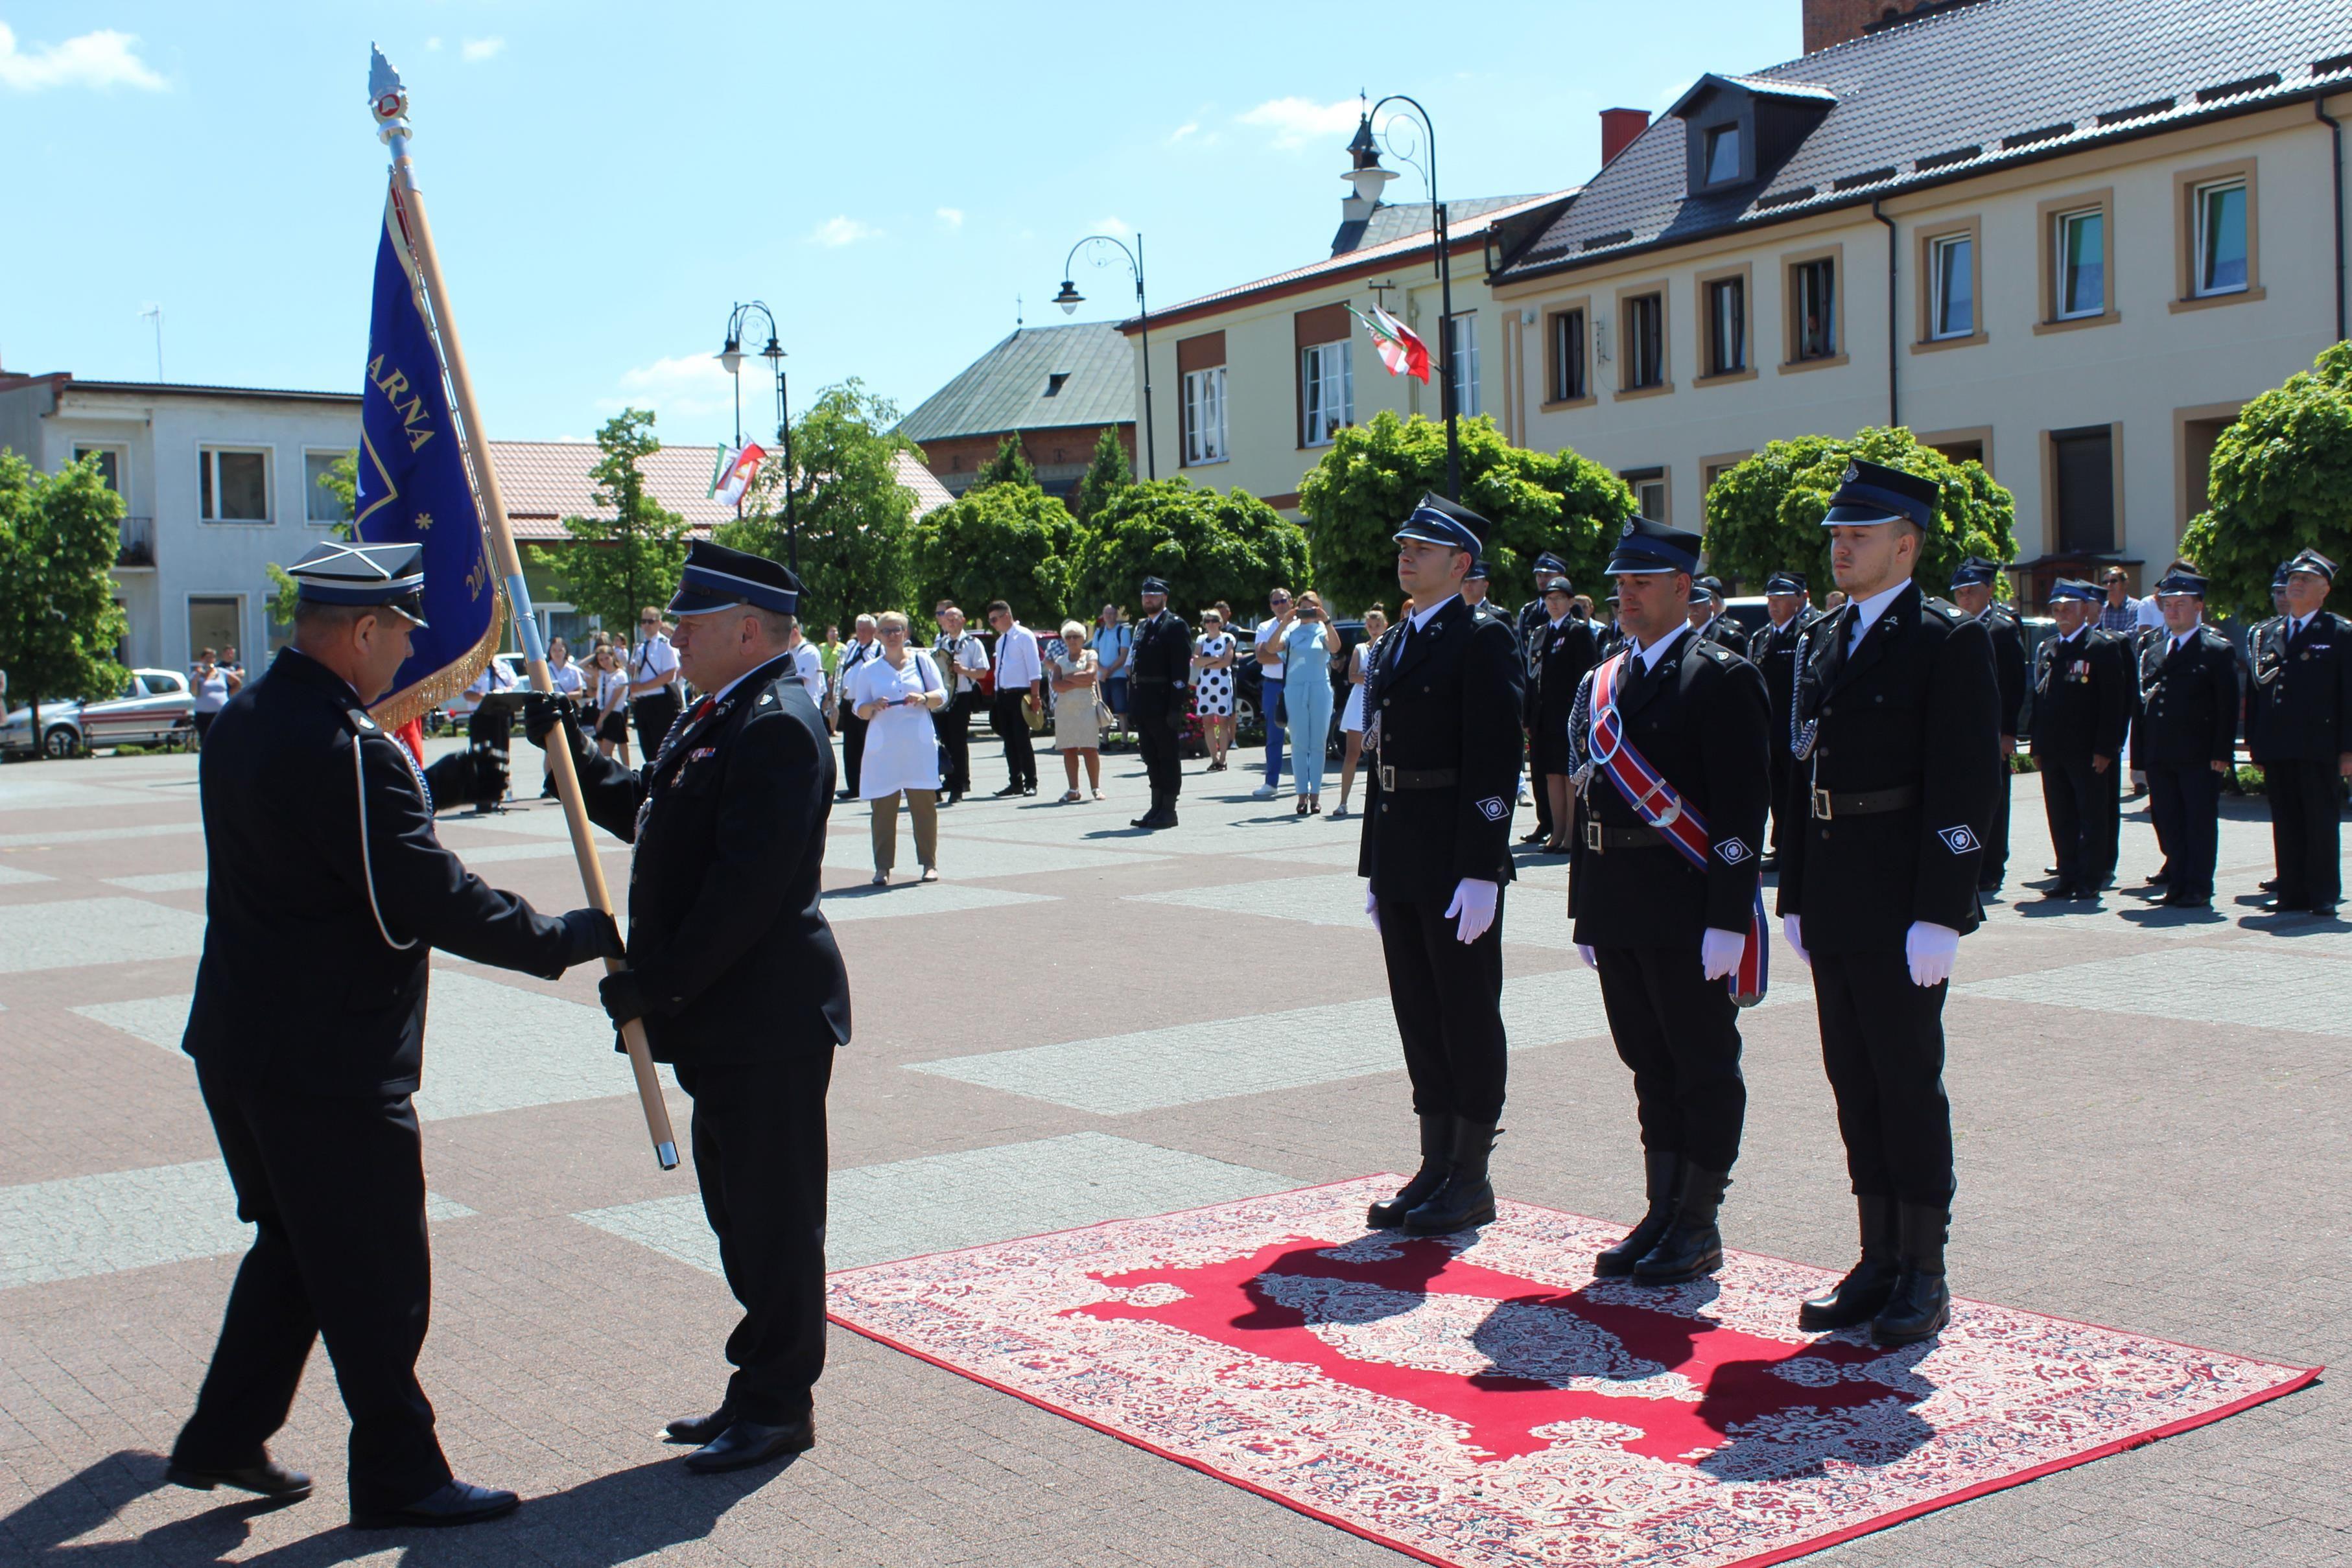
point(699, 602)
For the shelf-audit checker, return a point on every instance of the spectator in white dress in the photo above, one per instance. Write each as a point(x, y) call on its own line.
point(564, 677)
point(1075, 672)
point(1214, 657)
point(895, 694)
point(612, 699)
point(1351, 722)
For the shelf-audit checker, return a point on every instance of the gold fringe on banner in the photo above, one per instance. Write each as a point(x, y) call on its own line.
point(415, 701)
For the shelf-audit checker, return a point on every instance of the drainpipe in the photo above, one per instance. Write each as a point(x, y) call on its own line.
point(1894, 349)
point(2336, 166)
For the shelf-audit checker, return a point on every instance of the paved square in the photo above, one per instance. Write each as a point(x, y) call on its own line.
point(94, 931)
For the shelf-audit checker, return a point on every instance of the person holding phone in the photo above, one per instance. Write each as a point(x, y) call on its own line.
point(896, 695)
point(1307, 650)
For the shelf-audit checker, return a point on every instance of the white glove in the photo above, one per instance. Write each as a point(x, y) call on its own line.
point(1792, 929)
point(1592, 961)
point(1930, 949)
point(1474, 900)
point(1719, 951)
point(1371, 907)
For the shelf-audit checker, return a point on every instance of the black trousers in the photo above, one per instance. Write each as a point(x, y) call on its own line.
point(2085, 814)
point(1448, 998)
point(1012, 727)
point(1536, 776)
point(2306, 830)
point(1679, 1031)
point(653, 715)
point(336, 1184)
point(1783, 764)
point(1995, 863)
point(1882, 1045)
point(759, 1156)
point(2185, 801)
point(952, 723)
point(853, 747)
point(1159, 712)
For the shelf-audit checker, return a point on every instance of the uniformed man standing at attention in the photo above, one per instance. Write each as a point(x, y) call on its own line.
point(1535, 613)
point(1773, 649)
point(1897, 712)
point(1707, 619)
point(2082, 703)
point(1972, 586)
point(1669, 737)
point(735, 973)
point(2184, 737)
point(2303, 694)
point(1442, 700)
point(326, 892)
point(1159, 697)
point(1564, 651)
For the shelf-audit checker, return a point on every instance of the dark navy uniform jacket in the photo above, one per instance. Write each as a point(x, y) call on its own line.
point(1914, 708)
point(1450, 703)
point(1773, 651)
point(1163, 653)
point(300, 986)
point(728, 823)
point(1724, 631)
point(2008, 662)
point(2082, 697)
point(2302, 690)
point(2185, 703)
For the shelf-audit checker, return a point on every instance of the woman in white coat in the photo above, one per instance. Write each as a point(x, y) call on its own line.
point(895, 694)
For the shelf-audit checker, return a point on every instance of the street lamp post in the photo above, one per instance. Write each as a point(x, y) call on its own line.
point(1069, 299)
point(731, 358)
point(1446, 392)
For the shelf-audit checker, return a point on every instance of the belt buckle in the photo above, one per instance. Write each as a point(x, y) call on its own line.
point(1593, 838)
point(1387, 780)
point(1822, 811)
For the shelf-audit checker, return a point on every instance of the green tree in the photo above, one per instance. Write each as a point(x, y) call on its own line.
point(341, 480)
point(1013, 542)
point(2281, 483)
point(631, 556)
point(1765, 514)
point(1369, 480)
point(59, 535)
point(856, 520)
point(1009, 466)
point(1108, 473)
point(1206, 547)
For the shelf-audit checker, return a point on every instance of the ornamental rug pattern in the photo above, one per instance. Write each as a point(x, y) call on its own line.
point(1480, 1399)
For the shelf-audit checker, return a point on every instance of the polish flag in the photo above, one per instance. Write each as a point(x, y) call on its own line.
point(1400, 349)
point(740, 469)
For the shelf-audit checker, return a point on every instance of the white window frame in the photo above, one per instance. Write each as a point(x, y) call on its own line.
point(209, 479)
point(1326, 389)
point(1637, 342)
point(1941, 249)
point(121, 455)
point(1567, 366)
point(2200, 287)
point(2062, 226)
point(1727, 330)
point(1799, 275)
point(309, 484)
point(1462, 361)
point(1204, 417)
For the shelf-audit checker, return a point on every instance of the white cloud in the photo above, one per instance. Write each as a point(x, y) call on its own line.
point(836, 232)
point(1300, 122)
point(951, 217)
point(433, 44)
point(1182, 132)
point(102, 59)
point(1113, 228)
point(680, 385)
point(474, 51)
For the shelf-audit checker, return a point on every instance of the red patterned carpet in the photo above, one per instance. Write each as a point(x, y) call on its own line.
point(1485, 1401)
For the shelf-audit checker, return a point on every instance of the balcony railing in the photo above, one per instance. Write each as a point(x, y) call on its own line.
point(138, 547)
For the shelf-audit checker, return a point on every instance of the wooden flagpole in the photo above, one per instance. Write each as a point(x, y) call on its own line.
point(389, 102)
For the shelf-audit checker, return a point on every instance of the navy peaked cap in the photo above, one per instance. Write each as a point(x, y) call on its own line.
point(1873, 492)
point(1785, 582)
point(2180, 582)
point(1438, 521)
point(1974, 572)
point(2074, 587)
point(2311, 561)
point(717, 578)
point(368, 576)
point(1644, 545)
point(1477, 572)
point(1153, 585)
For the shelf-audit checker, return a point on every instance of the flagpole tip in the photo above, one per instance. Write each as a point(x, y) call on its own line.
point(387, 99)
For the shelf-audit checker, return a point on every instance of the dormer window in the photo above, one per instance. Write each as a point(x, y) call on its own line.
point(1053, 382)
point(1722, 154)
point(1739, 130)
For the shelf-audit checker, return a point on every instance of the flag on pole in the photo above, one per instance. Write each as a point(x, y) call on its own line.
point(1399, 348)
point(737, 471)
point(415, 488)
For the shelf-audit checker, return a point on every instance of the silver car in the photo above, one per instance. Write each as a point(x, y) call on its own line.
point(156, 708)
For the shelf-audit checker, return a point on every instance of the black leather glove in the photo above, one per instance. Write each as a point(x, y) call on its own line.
point(540, 711)
point(623, 992)
point(591, 934)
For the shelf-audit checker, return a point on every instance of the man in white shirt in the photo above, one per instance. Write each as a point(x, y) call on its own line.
point(963, 661)
point(1270, 633)
point(862, 647)
point(1020, 678)
point(565, 676)
point(653, 683)
point(809, 665)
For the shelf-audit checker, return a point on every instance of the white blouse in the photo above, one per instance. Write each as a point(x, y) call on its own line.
point(902, 747)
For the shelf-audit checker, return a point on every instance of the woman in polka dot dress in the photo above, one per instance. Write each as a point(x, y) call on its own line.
point(1213, 680)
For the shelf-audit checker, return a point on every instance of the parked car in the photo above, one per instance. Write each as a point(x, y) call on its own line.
point(156, 708)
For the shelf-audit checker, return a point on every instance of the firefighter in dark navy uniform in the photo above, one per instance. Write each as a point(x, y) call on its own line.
point(1666, 934)
point(1441, 704)
point(1158, 686)
point(1536, 613)
point(1972, 589)
point(1707, 619)
point(1896, 707)
point(2303, 700)
point(326, 893)
point(2082, 705)
point(735, 972)
point(2184, 736)
point(1564, 651)
point(1773, 651)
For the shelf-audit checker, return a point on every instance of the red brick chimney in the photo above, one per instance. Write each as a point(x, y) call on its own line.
point(1829, 22)
point(1619, 127)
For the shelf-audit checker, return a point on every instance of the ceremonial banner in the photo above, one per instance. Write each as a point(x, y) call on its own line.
point(1480, 1399)
point(414, 486)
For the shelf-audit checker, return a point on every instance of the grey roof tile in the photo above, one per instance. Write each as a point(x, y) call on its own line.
point(1006, 389)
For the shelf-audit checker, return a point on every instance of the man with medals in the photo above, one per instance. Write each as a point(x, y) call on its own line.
point(1972, 587)
point(1896, 728)
point(2302, 697)
point(1675, 772)
point(2081, 703)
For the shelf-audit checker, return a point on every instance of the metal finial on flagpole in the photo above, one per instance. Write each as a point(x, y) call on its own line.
point(388, 102)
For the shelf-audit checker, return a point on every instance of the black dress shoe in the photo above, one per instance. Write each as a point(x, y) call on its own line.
point(2269, 886)
point(2186, 900)
point(2285, 906)
point(268, 1478)
point(456, 1502)
point(1437, 1161)
point(698, 1429)
point(1009, 789)
point(2322, 912)
point(748, 1443)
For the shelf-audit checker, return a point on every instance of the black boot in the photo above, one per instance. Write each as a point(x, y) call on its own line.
point(1921, 1304)
point(1436, 1160)
point(1857, 1298)
point(1466, 1198)
point(1159, 816)
point(1663, 1171)
point(1692, 1245)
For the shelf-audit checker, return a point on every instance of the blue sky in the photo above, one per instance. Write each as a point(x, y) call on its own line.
point(606, 180)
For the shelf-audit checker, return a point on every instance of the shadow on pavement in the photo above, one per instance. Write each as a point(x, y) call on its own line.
point(611, 1520)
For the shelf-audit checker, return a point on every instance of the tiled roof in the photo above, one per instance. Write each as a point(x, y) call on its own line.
point(1409, 218)
point(1463, 232)
point(544, 482)
point(1012, 386)
point(69, 383)
point(1952, 95)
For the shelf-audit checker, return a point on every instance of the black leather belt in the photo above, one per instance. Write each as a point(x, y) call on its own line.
point(1829, 805)
point(1601, 839)
point(1419, 777)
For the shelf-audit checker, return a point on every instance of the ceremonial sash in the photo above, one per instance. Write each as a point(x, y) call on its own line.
point(1674, 820)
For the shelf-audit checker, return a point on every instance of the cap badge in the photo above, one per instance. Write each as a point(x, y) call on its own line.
point(1626, 532)
point(1852, 475)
